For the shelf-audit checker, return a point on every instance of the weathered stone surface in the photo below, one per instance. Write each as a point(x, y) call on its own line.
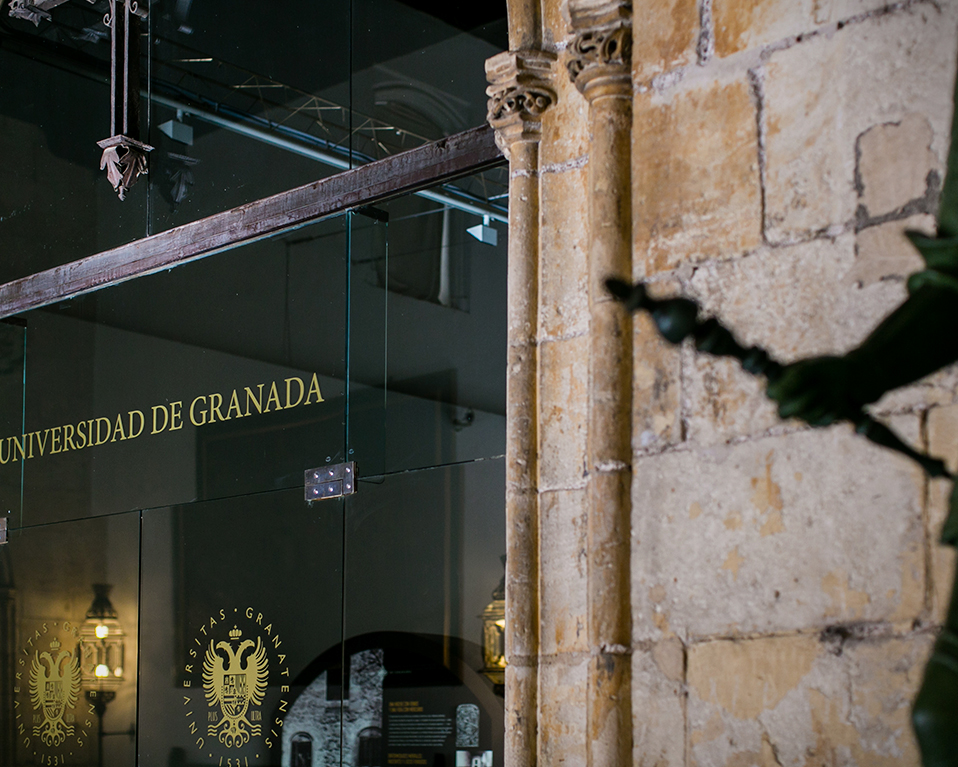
point(555, 22)
point(883, 253)
point(822, 94)
point(564, 405)
point(794, 701)
point(942, 442)
point(562, 713)
point(610, 389)
point(776, 534)
point(656, 388)
point(523, 277)
point(798, 301)
point(696, 190)
point(521, 721)
point(658, 705)
point(521, 412)
point(894, 163)
point(565, 132)
point(821, 297)
point(744, 24)
point(723, 401)
point(564, 571)
point(936, 389)
point(564, 298)
point(665, 38)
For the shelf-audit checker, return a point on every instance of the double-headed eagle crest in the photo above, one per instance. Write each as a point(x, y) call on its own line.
point(234, 682)
point(54, 687)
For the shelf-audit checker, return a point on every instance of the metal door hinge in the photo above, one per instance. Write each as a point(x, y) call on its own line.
point(3, 530)
point(331, 481)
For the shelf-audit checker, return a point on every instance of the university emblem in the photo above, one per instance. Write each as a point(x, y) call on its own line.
point(54, 687)
point(53, 720)
point(232, 680)
point(235, 688)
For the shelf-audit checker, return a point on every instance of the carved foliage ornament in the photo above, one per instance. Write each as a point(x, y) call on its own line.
point(524, 100)
point(606, 51)
point(520, 92)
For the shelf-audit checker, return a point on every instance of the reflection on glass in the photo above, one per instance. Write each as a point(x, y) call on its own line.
point(494, 634)
point(239, 597)
point(403, 696)
point(101, 645)
point(428, 331)
point(423, 554)
point(418, 70)
point(65, 709)
point(244, 104)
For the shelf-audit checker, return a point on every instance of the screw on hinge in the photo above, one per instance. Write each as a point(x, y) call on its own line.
point(331, 481)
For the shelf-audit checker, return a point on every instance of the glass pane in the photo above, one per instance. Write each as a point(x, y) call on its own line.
point(368, 384)
point(220, 377)
point(418, 70)
point(55, 204)
point(69, 610)
point(424, 608)
point(432, 286)
point(240, 599)
point(237, 106)
point(245, 103)
point(12, 341)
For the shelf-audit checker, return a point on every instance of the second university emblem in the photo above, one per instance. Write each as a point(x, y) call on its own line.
point(234, 671)
point(233, 679)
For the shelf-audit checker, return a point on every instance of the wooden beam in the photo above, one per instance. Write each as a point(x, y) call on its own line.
point(425, 166)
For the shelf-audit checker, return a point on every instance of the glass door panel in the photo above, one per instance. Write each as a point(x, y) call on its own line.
point(68, 626)
point(56, 205)
point(424, 610)
point(368, 340)
point(240, 599)
point(246, 102)
point(428, 327)
point(418, 71)
point(220, 377)
point(12, 351)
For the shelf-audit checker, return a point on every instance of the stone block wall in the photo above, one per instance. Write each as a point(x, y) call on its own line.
point(786, 582)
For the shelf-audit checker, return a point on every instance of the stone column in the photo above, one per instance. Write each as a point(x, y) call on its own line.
point(600, 66)
point(519, 93)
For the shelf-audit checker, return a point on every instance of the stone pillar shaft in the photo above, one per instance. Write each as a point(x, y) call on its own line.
point(609, 450)
point(525, 25)
point(519, 93)
point(522, 503)
point(600, 67)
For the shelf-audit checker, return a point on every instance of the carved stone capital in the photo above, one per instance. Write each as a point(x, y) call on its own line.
point(600, 55)
point(520, 91)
